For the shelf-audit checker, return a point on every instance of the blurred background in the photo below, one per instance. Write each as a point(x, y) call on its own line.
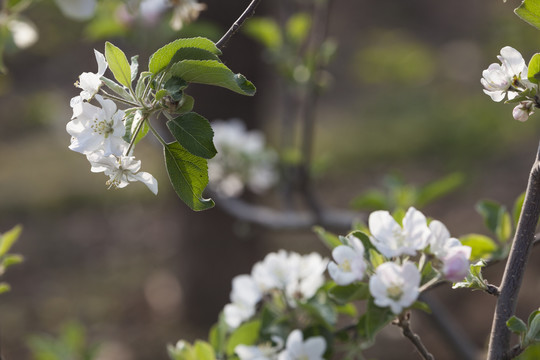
point(139, 271)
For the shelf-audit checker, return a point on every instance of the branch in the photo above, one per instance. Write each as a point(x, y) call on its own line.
point(291, 220)
point(514, 352)
point(515, 267)
point(250, 10)
point(405, 325)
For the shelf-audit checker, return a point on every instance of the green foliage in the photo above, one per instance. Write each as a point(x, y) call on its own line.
point(518, 205)
point(298, 27)
point(529, 11)
point(264, 30)
point(529, 333)
point(164, 56)
point(246, 334)
point(194, 133)
point(200, 350)
point(71, 344)
point(188, 174)
point(7, 240)
point(398, 194)
point(349, 293)
point(328, 239)
point(118, 64)
point(534, 69)
point(474, 279)
point(496, 218)
point(373, 321)
point(482, 246)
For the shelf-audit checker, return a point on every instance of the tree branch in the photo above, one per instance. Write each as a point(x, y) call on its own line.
point(250, 10)
point(405, 325)
point(515, 266)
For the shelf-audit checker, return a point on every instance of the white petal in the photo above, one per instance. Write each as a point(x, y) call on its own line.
point(77, 9)
point(146, 179)
point(101, 61)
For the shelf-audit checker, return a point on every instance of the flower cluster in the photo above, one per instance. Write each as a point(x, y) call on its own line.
point(396, 282)
point(511, 79)
point(98, 133)
point(292, 276)
point(296, 349)
point(150, 12)
point(242, 160)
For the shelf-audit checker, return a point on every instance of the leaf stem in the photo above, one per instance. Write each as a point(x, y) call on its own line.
point(515, 267)
point(156, 134)
point(249, 12)
point(134, 136)
point(119, 99)
point(403, 321)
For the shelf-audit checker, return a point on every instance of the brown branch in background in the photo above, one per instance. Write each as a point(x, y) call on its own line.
point(250, 10)
point(499, 342)
point(403, 321)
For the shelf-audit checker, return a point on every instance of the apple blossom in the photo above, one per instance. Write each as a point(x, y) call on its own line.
point(265, 351)
point(185, 11)
point(391, 239)
point(297, 349)
point(245, 295)
point(91, 82)
point(242, 160)
point(456, 261)
point(24, 32)
point(121, 170)
point(506, 78)
point(395, 286)
point(349, 265)
point(98, 129)
point(523, 110)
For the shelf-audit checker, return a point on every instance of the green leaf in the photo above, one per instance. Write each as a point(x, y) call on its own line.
point(264, 30)
point(534, 68)
point(347, 309)
point(10, 260)
point(438, 189)
point(246, 334)
point(218, 334)
point(496, 218)
point(529, 11)
point(474, 279)
point(329, 239)
point(482, 246)
point(193, 54)
point(422, 306)
point(203, 351)
point(135, 119)
point(186, 104)
point(370, 200)
point(4, 287)
point(141, 83)
point(428, 273)
point(516, 325)
point(120, 90)
point(189, 176)
point(175, 87)
point(134, 67)
point(375, 258)
point(160, 94)
point(518, 205)
point(211, 72)
point(348, 293)
point(118, 64)
point(194, 133)
point(534, 327)
point(323, 313)
point(374, 320)
point(298, 26)
point(504, 227)
point(162, 57)
point(8, 238)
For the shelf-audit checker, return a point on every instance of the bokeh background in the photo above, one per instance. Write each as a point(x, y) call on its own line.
point(139, 271)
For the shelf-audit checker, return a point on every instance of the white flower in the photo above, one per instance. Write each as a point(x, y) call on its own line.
point(310, 275)
point(245, 295)
point(242, 160)
point(185, 11)
point(276, 271)
point(121, 170)
point(91, 82)
point(509, 77)
point(393, 240)
point(77, 9)
point(395, 286)
point(456, 261)
point(523, 110)
point(350, 265)
point(260, 352)
point(98, 129)
point(24, 33)
point(298, 349)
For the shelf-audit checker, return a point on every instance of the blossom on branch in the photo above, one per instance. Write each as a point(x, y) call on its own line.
point(507, 78)
point(265, 351)
point(395, 286)
point(121, 170)
point(297, 349)
point(392, 239)
point(349, 265)
point(98, 128)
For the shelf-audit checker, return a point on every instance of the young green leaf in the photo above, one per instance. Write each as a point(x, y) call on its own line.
point(162, 57)
point(518, 205)
point(482, 246)
point(8, 238)
point(516, 325)
point(188, 174)
point(529, 11)
point(194, 133)
point(246, 334)
point(264, 30)
point(298, 26)
point(120, 90)
point(329, 239)
point(118, 64)
point(534, 327)
point(211, 72)
point(534, 68)
point(203, 351)
point(352, 292)
point(374, 320)
point(134, 67)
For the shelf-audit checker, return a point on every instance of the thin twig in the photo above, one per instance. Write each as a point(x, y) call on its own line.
point(515, 267)
point(514, 352)
point(403, 321)
point(250, 10)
